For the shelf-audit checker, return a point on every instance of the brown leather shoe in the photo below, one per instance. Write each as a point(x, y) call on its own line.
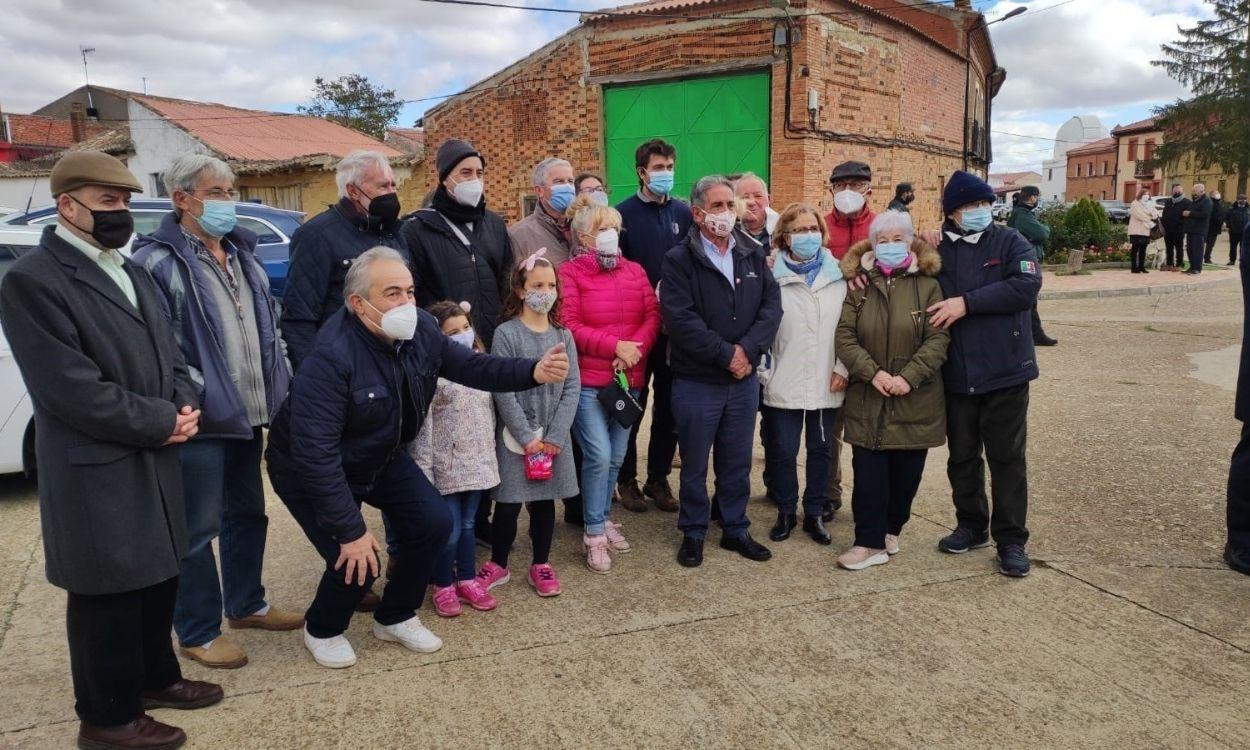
point(370, 601)
point(144, 733)
point(662, 495)
point(631, 498)
point(184, 695)
point(222, 653)
point(274, 619)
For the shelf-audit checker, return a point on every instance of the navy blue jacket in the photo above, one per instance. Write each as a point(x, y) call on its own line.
point(1242, 409)
point(998, 277)
point(321, 252)
point(649, 230)
point(705, 317)
point(185, 285)
point(341, 423)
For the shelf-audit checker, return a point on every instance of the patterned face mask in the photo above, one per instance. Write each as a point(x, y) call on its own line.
point(540, 302)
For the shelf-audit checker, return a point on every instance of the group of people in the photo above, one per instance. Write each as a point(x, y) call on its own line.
point(1189, 225)
point(521, 380)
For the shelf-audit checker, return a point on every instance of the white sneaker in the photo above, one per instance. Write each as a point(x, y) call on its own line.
point(891, 545)
point(334, 653)
point(858, 558)
point(411, 633)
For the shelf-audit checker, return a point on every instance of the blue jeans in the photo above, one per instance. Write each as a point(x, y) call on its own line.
point(460, 545)
point(717, 419)
point(224, 497)
point(603, 442)
point(783, 428)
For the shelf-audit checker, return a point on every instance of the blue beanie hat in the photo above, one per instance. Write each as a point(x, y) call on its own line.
point(964, 188)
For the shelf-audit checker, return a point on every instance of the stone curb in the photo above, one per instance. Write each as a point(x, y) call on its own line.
point(1135, 291)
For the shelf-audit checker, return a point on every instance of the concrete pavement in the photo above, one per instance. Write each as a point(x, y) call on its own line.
point(1128, 632)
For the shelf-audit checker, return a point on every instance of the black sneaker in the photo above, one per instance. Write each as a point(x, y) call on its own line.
point(962, 539)
point(1012, 560)
point(1237, 559)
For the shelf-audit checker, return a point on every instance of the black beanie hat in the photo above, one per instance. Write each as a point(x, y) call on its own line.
point(452, 152)
point(964, 188)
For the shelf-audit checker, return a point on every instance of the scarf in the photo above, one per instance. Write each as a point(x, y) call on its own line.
point(808, 269)
point(454, 209)
point(889, 270)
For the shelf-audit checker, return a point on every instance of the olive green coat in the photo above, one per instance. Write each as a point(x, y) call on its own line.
point(885, 327)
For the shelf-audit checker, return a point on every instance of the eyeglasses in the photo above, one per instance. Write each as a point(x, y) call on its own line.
point(217, 194)
point(594, 190)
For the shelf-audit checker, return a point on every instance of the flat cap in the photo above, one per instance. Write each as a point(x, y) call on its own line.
point(851, 170)
point(79, 168)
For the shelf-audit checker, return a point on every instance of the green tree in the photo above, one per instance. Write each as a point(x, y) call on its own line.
point(1213, 60)
point(1086, 224)
point(353, 101)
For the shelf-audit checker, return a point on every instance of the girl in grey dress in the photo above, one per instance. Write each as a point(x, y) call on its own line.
point(533, 425)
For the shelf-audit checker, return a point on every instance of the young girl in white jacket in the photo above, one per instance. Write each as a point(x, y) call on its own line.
point(804, 383)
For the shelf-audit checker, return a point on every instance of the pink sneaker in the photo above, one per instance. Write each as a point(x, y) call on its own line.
point(491, 575)
point(597, 558)
point(472, 593)
point(445, 602)
point(543, 579)
point(616, 540)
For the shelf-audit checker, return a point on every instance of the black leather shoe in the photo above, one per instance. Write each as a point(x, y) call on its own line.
point(1043, 340)
point(747, 547)
point(785, 524)
point(831, 509)
point(815, 528)
point(691, 553)
point(1237, 559)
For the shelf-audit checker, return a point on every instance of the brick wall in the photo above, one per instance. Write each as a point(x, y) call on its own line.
point(1101, 184)
point(874, 78)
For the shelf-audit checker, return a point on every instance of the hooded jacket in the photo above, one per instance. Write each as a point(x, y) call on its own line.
point(885, 327)
point(705, 316)
point(797, 368)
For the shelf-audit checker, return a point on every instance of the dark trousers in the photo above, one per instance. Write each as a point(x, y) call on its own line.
point(996, 423)
point(1234, 242)
point(1035, 319)
point(119, 647)
point(1174, 247)
point(885, 486)
point(770, 458)
point(662, 446)
point(419, 522)
point(1195, 248)
point(1211, 238)
point(716, 419)
point(1239, 493)
point(781, 433)
point(542, 529)
point(833, 488)
point(1138, 243)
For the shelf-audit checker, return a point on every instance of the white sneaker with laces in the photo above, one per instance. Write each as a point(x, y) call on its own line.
point(411, 633)
point(333, 653)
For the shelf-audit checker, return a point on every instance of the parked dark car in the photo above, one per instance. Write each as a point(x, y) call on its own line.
point(273, 227)
point(1117, 211)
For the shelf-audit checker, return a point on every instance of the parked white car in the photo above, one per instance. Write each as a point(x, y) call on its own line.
point(17, 426)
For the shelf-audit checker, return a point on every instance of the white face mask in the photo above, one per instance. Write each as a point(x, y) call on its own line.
point(399, 323)
point(848, 201)
point(469, 192)
point(720, 224)
point(465, 338)
point(608, 242)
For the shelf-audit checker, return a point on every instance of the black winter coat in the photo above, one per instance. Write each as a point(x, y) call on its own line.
point(448, 269)
point(341, 424)
point(705, 317)
point(1199, 219)
point(321, 252)
point(998, 277)
point(1236, 219)
point(1216, 223)
point(1172, 218)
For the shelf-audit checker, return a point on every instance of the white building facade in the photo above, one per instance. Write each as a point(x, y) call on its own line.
point(1077, 131)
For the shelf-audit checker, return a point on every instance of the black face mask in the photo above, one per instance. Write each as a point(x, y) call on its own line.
point(907, 199)
point(112, 229)
point(385, 208)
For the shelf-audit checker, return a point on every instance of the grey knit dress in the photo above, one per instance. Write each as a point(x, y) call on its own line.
point(550, 407)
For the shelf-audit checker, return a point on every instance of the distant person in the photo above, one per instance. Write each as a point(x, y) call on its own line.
point(1215, 225)
point(1236, 219)
point(593, 187)
point(1024, 220)
point(1142, 215)
point(653, 220)
point(1174, 229)
point(1237, 549)
point(904, 194)
point(1197, 221)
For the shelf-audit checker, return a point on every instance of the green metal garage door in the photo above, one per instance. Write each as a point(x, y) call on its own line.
point(719, 126)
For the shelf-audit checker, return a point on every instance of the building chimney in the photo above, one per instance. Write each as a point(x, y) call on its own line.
point(77, 122)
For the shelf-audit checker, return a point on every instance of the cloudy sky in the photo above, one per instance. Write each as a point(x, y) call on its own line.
point(1063, 57)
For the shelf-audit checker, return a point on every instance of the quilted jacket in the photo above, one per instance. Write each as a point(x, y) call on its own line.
point(602, 308)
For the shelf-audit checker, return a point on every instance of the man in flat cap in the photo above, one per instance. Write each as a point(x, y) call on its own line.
point(112, 399)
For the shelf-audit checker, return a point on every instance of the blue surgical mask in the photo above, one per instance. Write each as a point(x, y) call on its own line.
point(561, 196)
point(218, 217)
point(891, 254)
point(976, 219)
point(805, 244)
point(660, 182)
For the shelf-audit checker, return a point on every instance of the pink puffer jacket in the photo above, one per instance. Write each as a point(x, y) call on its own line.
point(602, 308)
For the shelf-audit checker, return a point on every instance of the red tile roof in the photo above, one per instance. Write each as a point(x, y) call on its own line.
point(1135, 127)
point(1009, 178)
point(253, 135)
point(53, 132)
point(407, 139)
point(1098, 146)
